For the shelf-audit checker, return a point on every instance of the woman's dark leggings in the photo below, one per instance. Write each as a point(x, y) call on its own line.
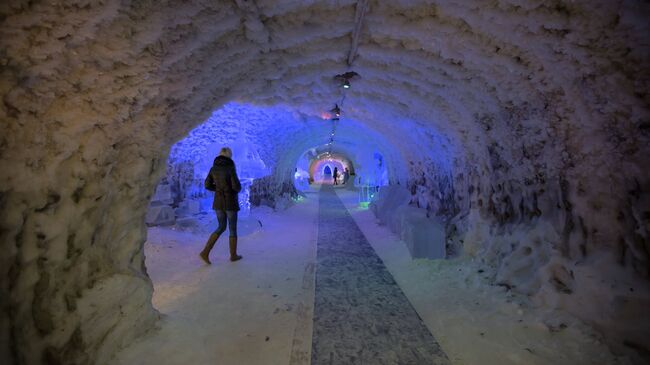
point(228, 217)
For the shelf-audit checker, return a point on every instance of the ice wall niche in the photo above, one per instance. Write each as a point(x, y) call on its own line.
point(248, 163)
point(181, 196)
point(376, 172)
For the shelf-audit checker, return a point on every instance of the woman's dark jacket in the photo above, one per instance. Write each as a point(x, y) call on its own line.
point(222, 179)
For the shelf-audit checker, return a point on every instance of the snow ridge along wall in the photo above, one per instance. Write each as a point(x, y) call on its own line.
point(532, 116)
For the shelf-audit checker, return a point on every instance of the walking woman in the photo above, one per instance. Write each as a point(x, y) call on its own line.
point(223, 180)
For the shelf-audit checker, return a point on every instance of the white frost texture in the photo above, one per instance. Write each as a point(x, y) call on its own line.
point(523, 125)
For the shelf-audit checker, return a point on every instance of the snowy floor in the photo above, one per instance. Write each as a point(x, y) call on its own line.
point(361, 316)
point(474, 322)
point(246, 312)
point(259, 310)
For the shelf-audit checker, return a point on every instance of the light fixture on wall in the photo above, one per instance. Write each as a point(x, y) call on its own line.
point(336, 110)
point(345, 78)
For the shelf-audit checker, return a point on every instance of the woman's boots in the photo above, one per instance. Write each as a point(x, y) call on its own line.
point(233, 249)
point(205, 254)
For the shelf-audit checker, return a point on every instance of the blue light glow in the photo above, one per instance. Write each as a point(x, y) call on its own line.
point(275, 140)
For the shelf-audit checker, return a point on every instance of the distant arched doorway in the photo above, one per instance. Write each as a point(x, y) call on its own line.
point(327, 170)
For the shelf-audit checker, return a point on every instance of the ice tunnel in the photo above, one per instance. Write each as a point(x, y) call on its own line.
point(496, 206)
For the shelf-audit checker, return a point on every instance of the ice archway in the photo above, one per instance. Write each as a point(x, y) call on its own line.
point(320, 162)
point(524, 124)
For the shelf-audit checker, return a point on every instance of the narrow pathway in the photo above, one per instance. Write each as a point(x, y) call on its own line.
point(361, 315)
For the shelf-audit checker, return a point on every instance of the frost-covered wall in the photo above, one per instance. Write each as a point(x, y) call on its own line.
point(537, 113)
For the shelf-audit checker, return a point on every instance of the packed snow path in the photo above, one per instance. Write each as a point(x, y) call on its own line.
point(361, 316)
